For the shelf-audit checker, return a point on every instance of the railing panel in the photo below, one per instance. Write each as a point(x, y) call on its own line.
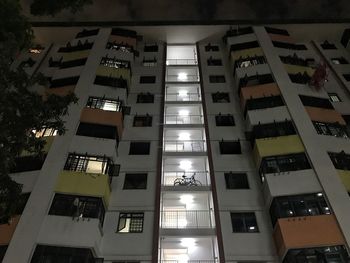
point(184, 146)
point(183, 97)
point(171, 62)
point(189, 119)
point(186, 219)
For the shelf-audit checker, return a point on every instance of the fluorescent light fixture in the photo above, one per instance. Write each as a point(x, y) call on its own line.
point(184, 112)
point(188, 242)
point(186, 199)
point(319, 194)
point(182, 222)
point(252, 227)
point(184, 136)
point(182, 76)
point(185, 165)
point(183, 93)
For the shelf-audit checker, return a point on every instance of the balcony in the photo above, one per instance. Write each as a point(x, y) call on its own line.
point(306, 232)
point(258, 91)
point(275, 146)
point(61, 91)
point(75, 55)
point(184, 146)
point(268, 115)
point(85, 184)
point(108, 70)
point(7, 230)
point(181, 62)
point(324, 115)
point(181, 55)
point(182, 74)
point(345, 178)
point(281, 38)
point(103, 117)
point(186, 219)
point(184, 120)
point(318, 254)
point(295, 69)
point(182, 179)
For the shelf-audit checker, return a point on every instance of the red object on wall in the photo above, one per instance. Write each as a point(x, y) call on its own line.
point(320, 76)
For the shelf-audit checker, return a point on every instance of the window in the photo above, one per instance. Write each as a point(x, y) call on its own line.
point(79, 47)
point(145, 98)
point(36, 50)
point(130, 223)
point(274, 129)
point(150, 62)
point(224, 120)
point(277, 31)
point(114, 63)
point(254, 80)
point(56, 83)
point(121, 47)
point(97, 130)
point(211, 47)
point(220, 97)
point(345, 39)
point(327, 45)
point(263, 103)
point(230, 147)
point(289, 45)
point(55, 63)
point(334, 254)
point(244, 223)
point(72, 63)
point(217, 79)
point(44, 132)
point(332, 129)
point(295, 60)
point(236, 180)
point(150, 48)
point(3, 249)
point(112, 82)
point(104, 104)
point(237, 31)
point(139, 148)
point(316, 102)
point(87, 33)
point(78, 206)
point(246, 45)
point(340, 160)
point(142, 121)
point(338, 61)
point(298, 205)
point(249, 61)
point(334, 97)
point(346, 77)
point(28, 163)
point(27, 63)
point(214, 62)
point(300, 78)
point(147, 79)
point(135, 181)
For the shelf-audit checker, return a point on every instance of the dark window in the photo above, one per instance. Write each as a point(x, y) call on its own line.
point(77, 207)
point(214, 62)
point(56, 83)
point(124, 32)
point(46, 254)
point(224, 120)
point(237, 31)
point(104, 104)
point(211, 47)
point(147, 79)
point(244, 223)
point(112, 82)
point(345, 37)
point(28, 163)
point(333, 97)
point(275, 129)
point(332, 129)
point(149, 62)
point(79, 47)
point(277, 31)
point(340, 160)
point(284, 163)
point(130, 223)
point(263, 103)
point(217, 79)
point(230, 147)
point(316, 102)
point(327, 45)
point(242, 46)
point(27, 63)
point(220, 97)
point(114, 63)
point(3, 249)
point(139, 148)
point(145, 98)
point(135, 181)
point(23, 199)
point(55, 63)
point(150, 48)
point(289, 45)
point(298, 205)
point(73, 63)
point(346, 77)
point(300, 78)
point(335, 254)
point(295, 60)
point(97, 130)
point(255, 80)
point(340, 60)
point(87, 33)
point(249, 61)
point(142, 121)
point(236, 180)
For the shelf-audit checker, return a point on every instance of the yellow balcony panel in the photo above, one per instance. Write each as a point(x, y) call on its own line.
point(75, 55)
point(250, 52)
point(86, 184)
point(98, 116)
point(123, 40)
point(306, 232)
point(61, 91)
point(295, 69)
point(281, 38)
point(125, 73)
point(48, 142)
point(325, 115)
point(7, 230)
point(345, 178)
point(282, 145)
point(258, 91)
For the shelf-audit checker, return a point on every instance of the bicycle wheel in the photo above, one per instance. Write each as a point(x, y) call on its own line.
point(177, 182)
point(197, 183)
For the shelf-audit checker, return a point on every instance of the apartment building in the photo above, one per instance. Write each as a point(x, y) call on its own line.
point(232, 146)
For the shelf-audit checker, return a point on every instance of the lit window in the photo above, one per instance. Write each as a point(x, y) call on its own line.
point(130, 223)
point(334, 97)
point(45, 132)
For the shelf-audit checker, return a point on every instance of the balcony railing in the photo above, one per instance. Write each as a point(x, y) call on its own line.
point(171, 62)
point(187, 78)
point(190, 179)
point(190, 119)
point(183, 97)
point(177, 219)
point(189, 261)
point(184, 146)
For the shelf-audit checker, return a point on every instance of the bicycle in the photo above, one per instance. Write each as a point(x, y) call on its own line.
point(187, 181)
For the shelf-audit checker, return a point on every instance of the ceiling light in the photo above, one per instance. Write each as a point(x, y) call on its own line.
point(182, 76)
point(184, 136)
point(186, 199)
point(183, 93)
point(185, 165)
point(184, 112)
point(319, 194)
point(188, 242)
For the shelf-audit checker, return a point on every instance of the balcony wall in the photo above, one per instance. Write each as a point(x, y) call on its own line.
point(345, 178)
point(124, 40)
point(324, 115)
point(99, 116)
point(281, 38)
point(250, 52)
point(75, 55)
point(258, 91)
point(277, 146)
point(7, 230)
point(125, 73)
point(304, 232)
point(61, 91)
point(80, 183)
point(268, 115)
point(295, 69)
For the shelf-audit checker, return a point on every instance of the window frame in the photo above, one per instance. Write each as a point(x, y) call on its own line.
point(143, 181)
point(130, 216)
point(244, 216)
